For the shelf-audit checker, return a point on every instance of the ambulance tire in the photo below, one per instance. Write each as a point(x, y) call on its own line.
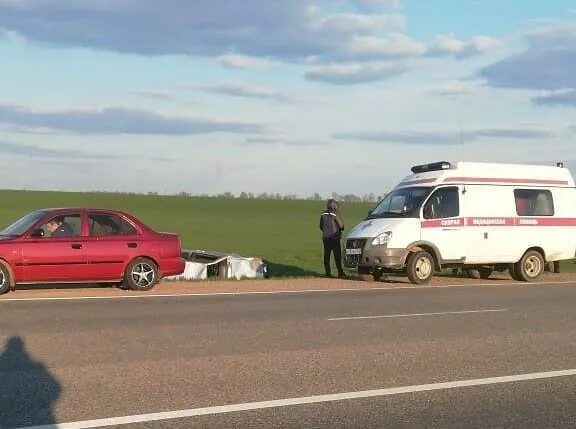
point(530, 267)
point(420, 267)
point(512, 271)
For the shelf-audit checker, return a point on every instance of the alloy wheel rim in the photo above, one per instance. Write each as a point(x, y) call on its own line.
point(2, 279)
point(143, 274)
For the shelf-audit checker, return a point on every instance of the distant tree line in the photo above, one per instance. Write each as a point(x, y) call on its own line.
point(366, 198)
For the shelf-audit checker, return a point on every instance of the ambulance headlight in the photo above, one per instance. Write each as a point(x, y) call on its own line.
point(382, 239)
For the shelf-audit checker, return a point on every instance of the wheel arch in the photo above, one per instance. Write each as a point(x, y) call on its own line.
point(428, 247)
point(537, 249)
point(145, 256)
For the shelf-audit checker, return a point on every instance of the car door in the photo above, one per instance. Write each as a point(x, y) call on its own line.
point(113, 241)
point(442, 225)
point(55, 258)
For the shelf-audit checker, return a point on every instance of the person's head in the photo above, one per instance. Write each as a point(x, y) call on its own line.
point(54, 224)
point(332, 205)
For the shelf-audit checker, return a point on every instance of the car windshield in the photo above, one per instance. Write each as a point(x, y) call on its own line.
point(23, 224)
point(402, 202)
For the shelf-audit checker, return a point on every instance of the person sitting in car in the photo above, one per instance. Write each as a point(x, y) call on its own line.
point(58, 228)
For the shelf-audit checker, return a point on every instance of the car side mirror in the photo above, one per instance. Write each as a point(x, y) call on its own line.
point(37, 233)
point(370, 212)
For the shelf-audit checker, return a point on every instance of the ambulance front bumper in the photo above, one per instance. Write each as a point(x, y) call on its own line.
point(359, 254)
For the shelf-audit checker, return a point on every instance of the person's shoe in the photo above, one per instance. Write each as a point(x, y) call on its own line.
point(330, 276)
point(342, 276)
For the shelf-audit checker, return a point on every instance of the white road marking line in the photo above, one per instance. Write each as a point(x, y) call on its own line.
point(194, 412)
point(279, 292)
point(443, 313)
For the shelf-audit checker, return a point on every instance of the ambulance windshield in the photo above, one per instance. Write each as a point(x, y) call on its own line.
point(402, 202)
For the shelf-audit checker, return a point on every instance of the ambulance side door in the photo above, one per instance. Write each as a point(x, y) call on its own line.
point(442, 224)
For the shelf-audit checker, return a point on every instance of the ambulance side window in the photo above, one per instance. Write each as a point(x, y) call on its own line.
point(442, 204)
point(534, 202)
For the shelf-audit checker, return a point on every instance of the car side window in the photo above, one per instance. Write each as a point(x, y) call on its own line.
point(443, 203)
point(66, 225)
point(534, 202)
point(105, 225)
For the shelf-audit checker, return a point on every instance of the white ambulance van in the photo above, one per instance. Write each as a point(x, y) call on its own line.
point(477, 216)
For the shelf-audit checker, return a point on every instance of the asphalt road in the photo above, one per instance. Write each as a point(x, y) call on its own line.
point(80, 360)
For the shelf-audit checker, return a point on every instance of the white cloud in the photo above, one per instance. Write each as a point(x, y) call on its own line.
point(563, 97)
point(376, 5)
point(455, 88)
point(446, 137)
point(447, 45)
point(395, 45)
point(356, 73)
point(237, 61)
point(154, 94)
point(354, 23)
point(116, 121)
point(245, 91)
point(284, 140)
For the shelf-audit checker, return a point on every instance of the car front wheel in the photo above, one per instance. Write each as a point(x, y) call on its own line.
point(141, 274)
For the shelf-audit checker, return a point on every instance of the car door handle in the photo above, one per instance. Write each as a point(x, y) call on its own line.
point(132, 245)
point(76, 246)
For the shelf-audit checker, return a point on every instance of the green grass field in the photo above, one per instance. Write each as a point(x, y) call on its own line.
point(283, 232)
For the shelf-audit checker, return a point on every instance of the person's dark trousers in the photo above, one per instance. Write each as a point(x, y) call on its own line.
point(333, 245)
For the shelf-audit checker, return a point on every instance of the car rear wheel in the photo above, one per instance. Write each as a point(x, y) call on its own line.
point(530, 267)
point(420, 267)
point(141, 274)
point(4, 279)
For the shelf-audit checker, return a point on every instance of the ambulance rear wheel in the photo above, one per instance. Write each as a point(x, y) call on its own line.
point(420, 267)
point(530, 267)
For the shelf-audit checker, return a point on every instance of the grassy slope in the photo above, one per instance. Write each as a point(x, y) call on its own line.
point(283, 232)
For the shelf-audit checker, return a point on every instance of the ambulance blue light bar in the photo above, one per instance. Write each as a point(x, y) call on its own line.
point(435, 166)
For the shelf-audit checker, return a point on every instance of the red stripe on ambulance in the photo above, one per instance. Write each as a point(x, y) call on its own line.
point(497, 221)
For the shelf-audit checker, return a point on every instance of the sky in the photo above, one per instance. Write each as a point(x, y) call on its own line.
point(290, 97)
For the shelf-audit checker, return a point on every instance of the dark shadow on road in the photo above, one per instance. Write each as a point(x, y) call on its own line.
point(28, 392)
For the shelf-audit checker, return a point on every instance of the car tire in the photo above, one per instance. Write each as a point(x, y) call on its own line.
point(530, 267)
point(5, 280)
point(141, 274)
point(420, 267)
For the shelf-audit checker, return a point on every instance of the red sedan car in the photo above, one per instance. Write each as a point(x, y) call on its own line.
point(80, 245)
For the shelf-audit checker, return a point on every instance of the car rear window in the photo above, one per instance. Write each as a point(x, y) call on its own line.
point(103, 225)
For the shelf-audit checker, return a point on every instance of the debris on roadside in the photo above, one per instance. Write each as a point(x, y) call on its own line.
point(202, 265)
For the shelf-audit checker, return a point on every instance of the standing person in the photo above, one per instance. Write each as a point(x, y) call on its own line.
point(331, 225)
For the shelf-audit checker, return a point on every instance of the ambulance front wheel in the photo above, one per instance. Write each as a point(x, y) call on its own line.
point(530, 267)
point(420, 267)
